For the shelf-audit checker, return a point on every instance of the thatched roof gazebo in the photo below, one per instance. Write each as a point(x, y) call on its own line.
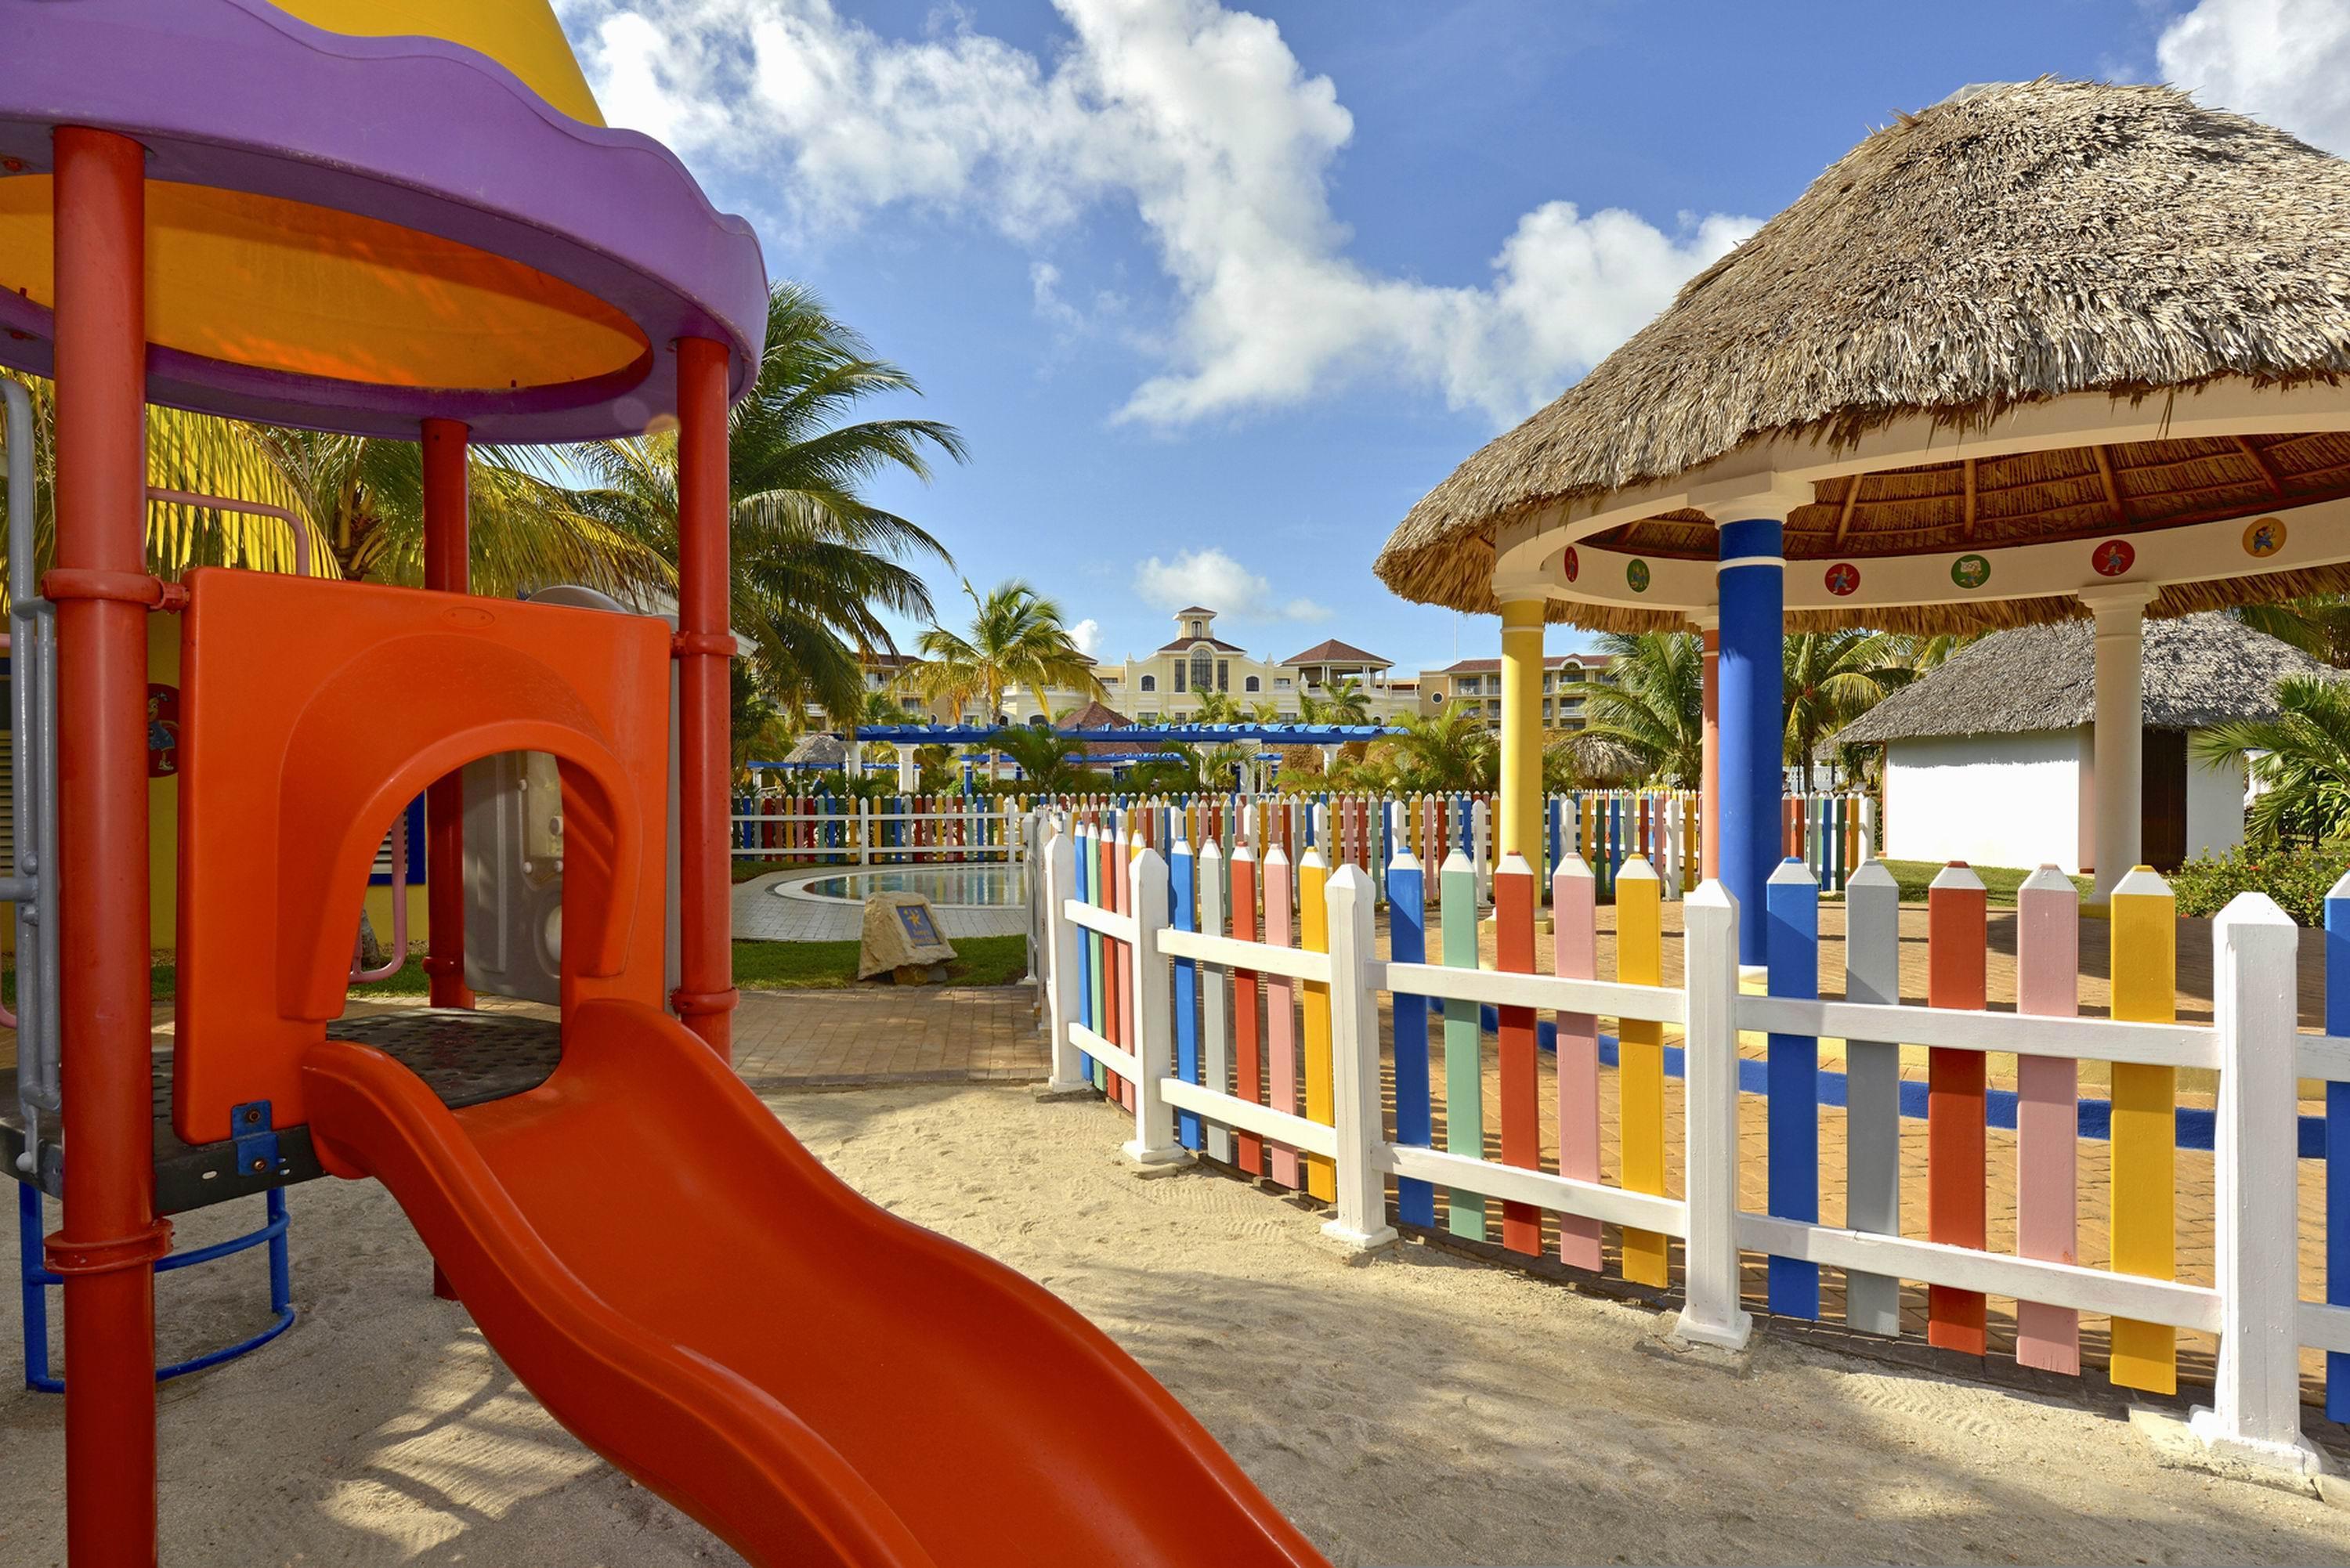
point(2042, 351)
point(2199, 671)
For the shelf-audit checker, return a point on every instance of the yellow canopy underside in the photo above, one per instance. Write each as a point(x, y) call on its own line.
point(285, 285)
point(520, 34)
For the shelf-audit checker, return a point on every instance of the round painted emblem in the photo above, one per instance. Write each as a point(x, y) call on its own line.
point(2264, 537)
point(2114, 557)
point(1636, 574)
point(1843, 579)
point(1573, 564)
point(1970, 571)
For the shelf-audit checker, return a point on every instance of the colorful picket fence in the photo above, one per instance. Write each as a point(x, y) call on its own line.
point(1255, 1041)
point(885, 830)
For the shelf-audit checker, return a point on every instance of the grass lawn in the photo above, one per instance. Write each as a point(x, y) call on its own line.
point(2000, 882)
point(758, 966)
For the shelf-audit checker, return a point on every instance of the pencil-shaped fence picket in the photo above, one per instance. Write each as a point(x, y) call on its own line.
point(1264, 1051)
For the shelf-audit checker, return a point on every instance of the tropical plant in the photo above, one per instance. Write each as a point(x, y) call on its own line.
point(1017, 640)
point(1048, 761)
point(1218, 708)
point(2299, 760)
point(817, 568)
point(1450, 748)
point(1652, 709)
point(1831, 678)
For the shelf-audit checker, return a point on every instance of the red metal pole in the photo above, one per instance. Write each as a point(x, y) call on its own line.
point(112, 1236)
point(704, 998)
point(447, 567)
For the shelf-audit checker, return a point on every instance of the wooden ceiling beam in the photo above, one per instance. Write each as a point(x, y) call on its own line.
point(1969, 468)
point(2252, 453)
point(1851, 499)
point(2113, 490)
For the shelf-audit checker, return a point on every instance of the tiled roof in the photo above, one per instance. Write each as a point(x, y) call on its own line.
point(1333, 652)
point(1180, 643)
point(1195, 609)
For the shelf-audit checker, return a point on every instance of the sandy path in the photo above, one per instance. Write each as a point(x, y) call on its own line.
point(1425, 1410)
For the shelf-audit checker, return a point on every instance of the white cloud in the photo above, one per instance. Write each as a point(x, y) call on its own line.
point(1214, 579)
point(1087, 635)
point(2287, 61)
point(1197, 118)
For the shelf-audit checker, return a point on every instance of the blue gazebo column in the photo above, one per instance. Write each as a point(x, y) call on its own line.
point(1752, 585)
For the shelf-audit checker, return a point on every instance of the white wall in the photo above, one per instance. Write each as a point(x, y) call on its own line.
point(2215, 806)
point(1992, 800)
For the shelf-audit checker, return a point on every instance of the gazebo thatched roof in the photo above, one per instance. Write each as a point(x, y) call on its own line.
point(819, 750)
point(2013, 244)
point(2199, 671)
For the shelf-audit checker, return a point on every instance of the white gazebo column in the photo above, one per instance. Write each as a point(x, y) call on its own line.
point(2120, 735)
point(909, 771)
point(1522, 678)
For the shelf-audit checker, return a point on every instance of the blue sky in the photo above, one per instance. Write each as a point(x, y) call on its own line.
point(1216, 293)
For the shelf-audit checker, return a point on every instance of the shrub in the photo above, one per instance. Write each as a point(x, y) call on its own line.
point(2295, 875)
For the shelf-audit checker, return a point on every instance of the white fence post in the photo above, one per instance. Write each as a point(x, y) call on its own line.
point(2255, 1163)
point(1362, 1222)
point(1709, 1312)
point(1477, 827)
point(1215, 999)
point(1060, 870)
point(1154, 1019)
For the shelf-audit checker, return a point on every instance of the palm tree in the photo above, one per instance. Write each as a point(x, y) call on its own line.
point(1654, 707)
point(1346, 703)
point(1017, 640)
point(359, 504)
point(2318, 625)
point(1450, 748)
point(816, 566)
point(1830, 678)
point(2300, 758)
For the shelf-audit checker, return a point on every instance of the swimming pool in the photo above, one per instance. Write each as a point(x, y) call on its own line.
point(995, 886)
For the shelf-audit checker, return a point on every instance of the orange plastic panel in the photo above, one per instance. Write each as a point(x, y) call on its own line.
point(690, 1291)
point(312, 712)
point(287, 285)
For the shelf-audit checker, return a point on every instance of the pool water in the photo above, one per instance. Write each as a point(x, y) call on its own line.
point(948, 887)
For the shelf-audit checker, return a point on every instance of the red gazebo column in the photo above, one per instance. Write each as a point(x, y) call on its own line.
point(1708, 799)
point(447, 567)
point(111, 1235)
point(704, 998)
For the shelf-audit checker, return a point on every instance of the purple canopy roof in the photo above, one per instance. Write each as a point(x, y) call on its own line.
point(413, 131)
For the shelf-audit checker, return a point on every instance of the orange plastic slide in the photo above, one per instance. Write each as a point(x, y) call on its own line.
point(690, 1292)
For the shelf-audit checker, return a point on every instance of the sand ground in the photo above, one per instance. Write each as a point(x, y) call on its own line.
point(1421, 1410)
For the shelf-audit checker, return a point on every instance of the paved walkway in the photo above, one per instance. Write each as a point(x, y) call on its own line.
point(772, 908)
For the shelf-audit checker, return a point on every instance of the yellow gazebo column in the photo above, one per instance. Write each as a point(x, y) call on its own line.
point(1522, 677)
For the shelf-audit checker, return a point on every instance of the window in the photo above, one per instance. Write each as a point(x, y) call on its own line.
point(1198, 629)
point(1150, 683)
point(1181, 670)
point(1436, 698)
point(1202, 670)
point(1149, 717)
point(1250, 684)
point(1223, 675)
point(1281, 683)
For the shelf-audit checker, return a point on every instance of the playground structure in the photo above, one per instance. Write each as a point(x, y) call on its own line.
point(404, 220)
point(1178, 987)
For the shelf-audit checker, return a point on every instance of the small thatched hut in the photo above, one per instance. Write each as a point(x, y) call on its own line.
point(2042, 350)
point(1991, 757)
